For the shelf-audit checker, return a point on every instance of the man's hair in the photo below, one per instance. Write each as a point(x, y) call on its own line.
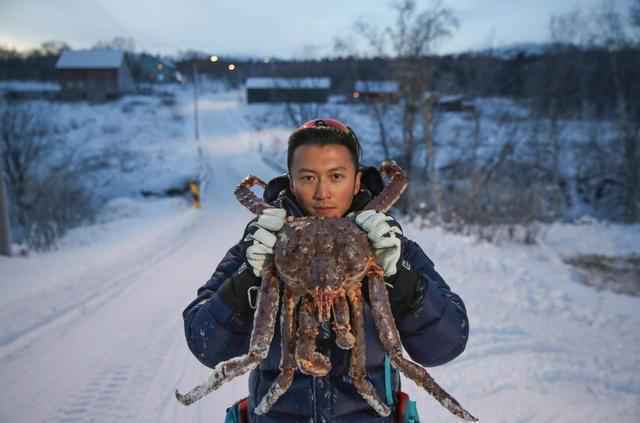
point(321, 134)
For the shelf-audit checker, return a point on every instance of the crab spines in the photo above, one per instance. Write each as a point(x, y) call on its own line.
point(248, 198)
point(392, 192)
point(390, 339)
point(259, 343)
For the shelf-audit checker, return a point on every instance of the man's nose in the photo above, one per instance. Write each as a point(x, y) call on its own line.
point(322, 191)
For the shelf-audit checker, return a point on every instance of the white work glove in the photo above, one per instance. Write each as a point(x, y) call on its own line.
point(261, 249)
point(383, 237)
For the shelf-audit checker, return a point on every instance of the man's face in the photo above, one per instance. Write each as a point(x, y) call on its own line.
point(324, 179)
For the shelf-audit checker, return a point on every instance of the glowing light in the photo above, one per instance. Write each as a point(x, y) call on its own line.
point(214, 59)
point(231, 67)
point(356, 94)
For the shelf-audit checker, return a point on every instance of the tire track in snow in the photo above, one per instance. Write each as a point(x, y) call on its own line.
point(118, 391)
point(125, 393)
point(120, 377)
point(104, 290)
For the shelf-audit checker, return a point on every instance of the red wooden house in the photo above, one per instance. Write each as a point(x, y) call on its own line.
point(97, 75)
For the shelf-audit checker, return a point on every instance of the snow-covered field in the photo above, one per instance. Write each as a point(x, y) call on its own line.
point(29, 86)
point(93, 332)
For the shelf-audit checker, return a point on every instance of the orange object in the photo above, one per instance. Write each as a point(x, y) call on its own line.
point(195, 193)
point(401, 406)
point(243, 411)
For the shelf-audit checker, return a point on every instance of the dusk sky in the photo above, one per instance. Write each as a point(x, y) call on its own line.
point(283, 28)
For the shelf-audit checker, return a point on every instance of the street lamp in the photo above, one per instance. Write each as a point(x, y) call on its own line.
point(231, 67)
point(214, 59)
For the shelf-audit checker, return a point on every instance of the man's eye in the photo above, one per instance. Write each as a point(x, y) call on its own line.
point(337, 176)
point(307, 178)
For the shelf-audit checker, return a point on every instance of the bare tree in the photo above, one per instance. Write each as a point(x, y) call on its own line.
point(613, 36)
point(571, 29)
point(609, 29)
point(381, 112)
point(606, 30)
point(127, 44)
point(23, 138)
point(48, 180)
point(298, 113)
point(410, 41)
point(414, 37)
point(381, 106)
point(634, 20)
point(510, 185)
point(417, 33)
point(290, 114)
point(54, 48)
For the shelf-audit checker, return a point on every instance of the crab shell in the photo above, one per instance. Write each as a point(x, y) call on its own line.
point(322, 258)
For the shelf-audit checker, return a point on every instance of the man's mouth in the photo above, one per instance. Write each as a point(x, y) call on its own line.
point(324, 209)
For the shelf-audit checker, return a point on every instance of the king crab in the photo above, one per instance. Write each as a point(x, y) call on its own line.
point(322, 263)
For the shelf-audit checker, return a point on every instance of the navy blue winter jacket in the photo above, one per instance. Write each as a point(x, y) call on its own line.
point(433, 333)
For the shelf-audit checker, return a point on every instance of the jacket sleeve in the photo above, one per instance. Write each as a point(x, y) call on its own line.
point(214, 332)
point(436, 332)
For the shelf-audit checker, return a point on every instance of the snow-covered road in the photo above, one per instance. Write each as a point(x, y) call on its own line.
point(93, 332)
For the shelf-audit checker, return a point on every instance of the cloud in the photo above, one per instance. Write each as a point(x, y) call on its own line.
point(281, 27)
point(80, 23)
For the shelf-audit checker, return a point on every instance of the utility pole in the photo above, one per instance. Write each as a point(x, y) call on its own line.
point(197, 187)
point(195, 99)
point(5, 229)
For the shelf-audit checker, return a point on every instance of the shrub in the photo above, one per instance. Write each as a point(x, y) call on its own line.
point(44, 177)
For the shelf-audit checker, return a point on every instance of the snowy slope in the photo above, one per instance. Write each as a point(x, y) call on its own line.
point(542, 347)
point(93, 332)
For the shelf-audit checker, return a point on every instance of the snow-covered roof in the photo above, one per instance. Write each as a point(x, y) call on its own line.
point(90, 59)
point(451, 98)
point(377, 86)
point(313, 83)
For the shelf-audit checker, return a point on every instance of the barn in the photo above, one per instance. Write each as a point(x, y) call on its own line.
point(376, 91)
point(96, 75)
point(454, 103)
point(293, 90)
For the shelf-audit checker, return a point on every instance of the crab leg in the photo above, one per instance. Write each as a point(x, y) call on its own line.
point(392, 192)
point(247, 198)
point(390, 339)
point(310, 361)
point(288, 360)
point(261, 337)
point(341, 325)
point(357, 371)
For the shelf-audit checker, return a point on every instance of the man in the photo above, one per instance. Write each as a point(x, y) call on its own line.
point(325, 179)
